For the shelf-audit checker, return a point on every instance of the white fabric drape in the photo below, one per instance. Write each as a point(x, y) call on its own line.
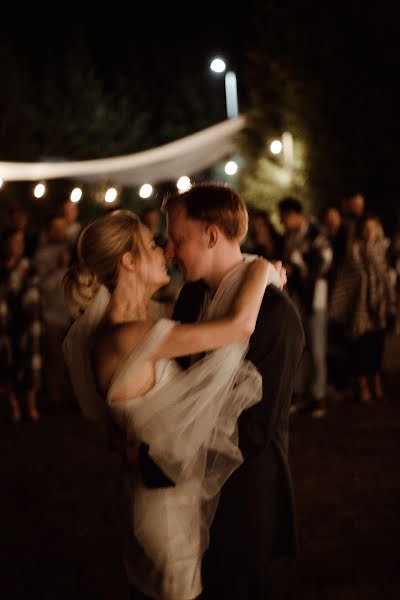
point(186, 156)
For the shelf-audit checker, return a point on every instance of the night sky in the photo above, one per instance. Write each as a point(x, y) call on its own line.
point(190, 30)
point(151, 51)
point(159, 45)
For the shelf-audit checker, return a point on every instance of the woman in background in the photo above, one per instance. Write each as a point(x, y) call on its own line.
point(20, 326)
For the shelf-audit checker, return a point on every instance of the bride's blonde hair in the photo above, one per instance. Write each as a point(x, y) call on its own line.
point(100, 246)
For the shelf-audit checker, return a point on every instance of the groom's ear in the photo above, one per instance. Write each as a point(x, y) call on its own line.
point(127, 261)
point(213, 234)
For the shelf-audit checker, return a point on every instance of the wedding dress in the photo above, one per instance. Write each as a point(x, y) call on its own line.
point(189, 421)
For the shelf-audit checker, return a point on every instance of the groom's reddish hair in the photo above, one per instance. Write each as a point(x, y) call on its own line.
point(215, 203)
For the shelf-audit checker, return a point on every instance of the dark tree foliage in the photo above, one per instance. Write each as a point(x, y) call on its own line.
point(327, 72)
point(98, 86)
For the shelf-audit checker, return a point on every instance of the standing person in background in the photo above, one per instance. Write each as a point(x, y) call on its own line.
point(338, 357)
point(353, 211)
point(51, 260)
point(70, 211)
point(150, 217)
point(307, 257)
point(336, 232)
point(267, 241)
point(18, 219)
point(20, 326)
point(364, 301)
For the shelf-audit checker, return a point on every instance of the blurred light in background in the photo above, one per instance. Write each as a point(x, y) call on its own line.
point(183, 183)
point(218, 65)
point(276, 147)
point(111, 195)
point(1, 182)
point(231, 167)
point(40, 190)
point(146, 190)
point(76, 195)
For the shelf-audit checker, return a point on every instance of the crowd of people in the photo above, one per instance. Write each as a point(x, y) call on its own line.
point(343, 275)
point(34, 317)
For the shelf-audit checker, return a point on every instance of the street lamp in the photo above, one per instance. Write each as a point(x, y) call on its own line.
point(232, 106)
point(276, 147)
point(284, 145)
point(110, 195)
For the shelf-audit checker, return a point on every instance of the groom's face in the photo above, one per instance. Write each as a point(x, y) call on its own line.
point(188, 245)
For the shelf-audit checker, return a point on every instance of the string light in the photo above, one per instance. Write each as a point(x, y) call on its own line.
point(40, 190)
point(183, 183)
point(146, 190)
point(276, 147)
point(231, 167)
point(76, 194)
point(111, 195)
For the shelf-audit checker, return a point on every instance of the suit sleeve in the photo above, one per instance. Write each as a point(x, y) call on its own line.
point(276, 347)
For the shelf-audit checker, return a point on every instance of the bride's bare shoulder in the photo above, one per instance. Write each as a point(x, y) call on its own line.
point(111, 343)
point(122, 338)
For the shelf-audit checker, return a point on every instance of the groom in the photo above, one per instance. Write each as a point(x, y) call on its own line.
point(255, 520)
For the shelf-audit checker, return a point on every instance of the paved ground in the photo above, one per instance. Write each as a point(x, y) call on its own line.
point(59, 513)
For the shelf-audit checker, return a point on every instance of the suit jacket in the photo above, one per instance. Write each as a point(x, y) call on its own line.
point(255, 519)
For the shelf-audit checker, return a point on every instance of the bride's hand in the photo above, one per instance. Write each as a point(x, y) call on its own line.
point(282, 272)
point(261, 264)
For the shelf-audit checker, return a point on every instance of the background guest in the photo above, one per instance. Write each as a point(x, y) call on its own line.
point(20, 326)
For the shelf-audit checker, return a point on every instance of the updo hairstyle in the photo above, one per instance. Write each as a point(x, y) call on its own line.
point(100, 246)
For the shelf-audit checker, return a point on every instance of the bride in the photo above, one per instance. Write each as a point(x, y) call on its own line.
point(120, 353)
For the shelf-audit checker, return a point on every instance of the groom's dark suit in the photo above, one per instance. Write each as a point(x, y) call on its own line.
point(255, 518)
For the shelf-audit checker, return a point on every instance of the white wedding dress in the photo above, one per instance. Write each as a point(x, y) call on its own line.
point(189, 421)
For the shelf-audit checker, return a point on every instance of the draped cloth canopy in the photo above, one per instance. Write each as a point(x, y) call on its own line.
point(186, 156)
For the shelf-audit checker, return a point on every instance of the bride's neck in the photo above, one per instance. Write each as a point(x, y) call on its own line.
point(128, 303)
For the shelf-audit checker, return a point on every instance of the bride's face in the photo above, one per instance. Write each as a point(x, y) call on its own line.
point(152, 265)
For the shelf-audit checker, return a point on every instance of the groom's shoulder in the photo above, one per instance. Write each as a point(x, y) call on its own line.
point(279, 303)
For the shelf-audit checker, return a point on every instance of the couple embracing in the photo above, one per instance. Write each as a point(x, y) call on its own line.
point(202, 398)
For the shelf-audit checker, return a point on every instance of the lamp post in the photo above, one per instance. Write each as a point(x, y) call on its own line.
point(232, 105)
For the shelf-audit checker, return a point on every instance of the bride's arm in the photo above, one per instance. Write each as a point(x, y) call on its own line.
point(237, 325)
